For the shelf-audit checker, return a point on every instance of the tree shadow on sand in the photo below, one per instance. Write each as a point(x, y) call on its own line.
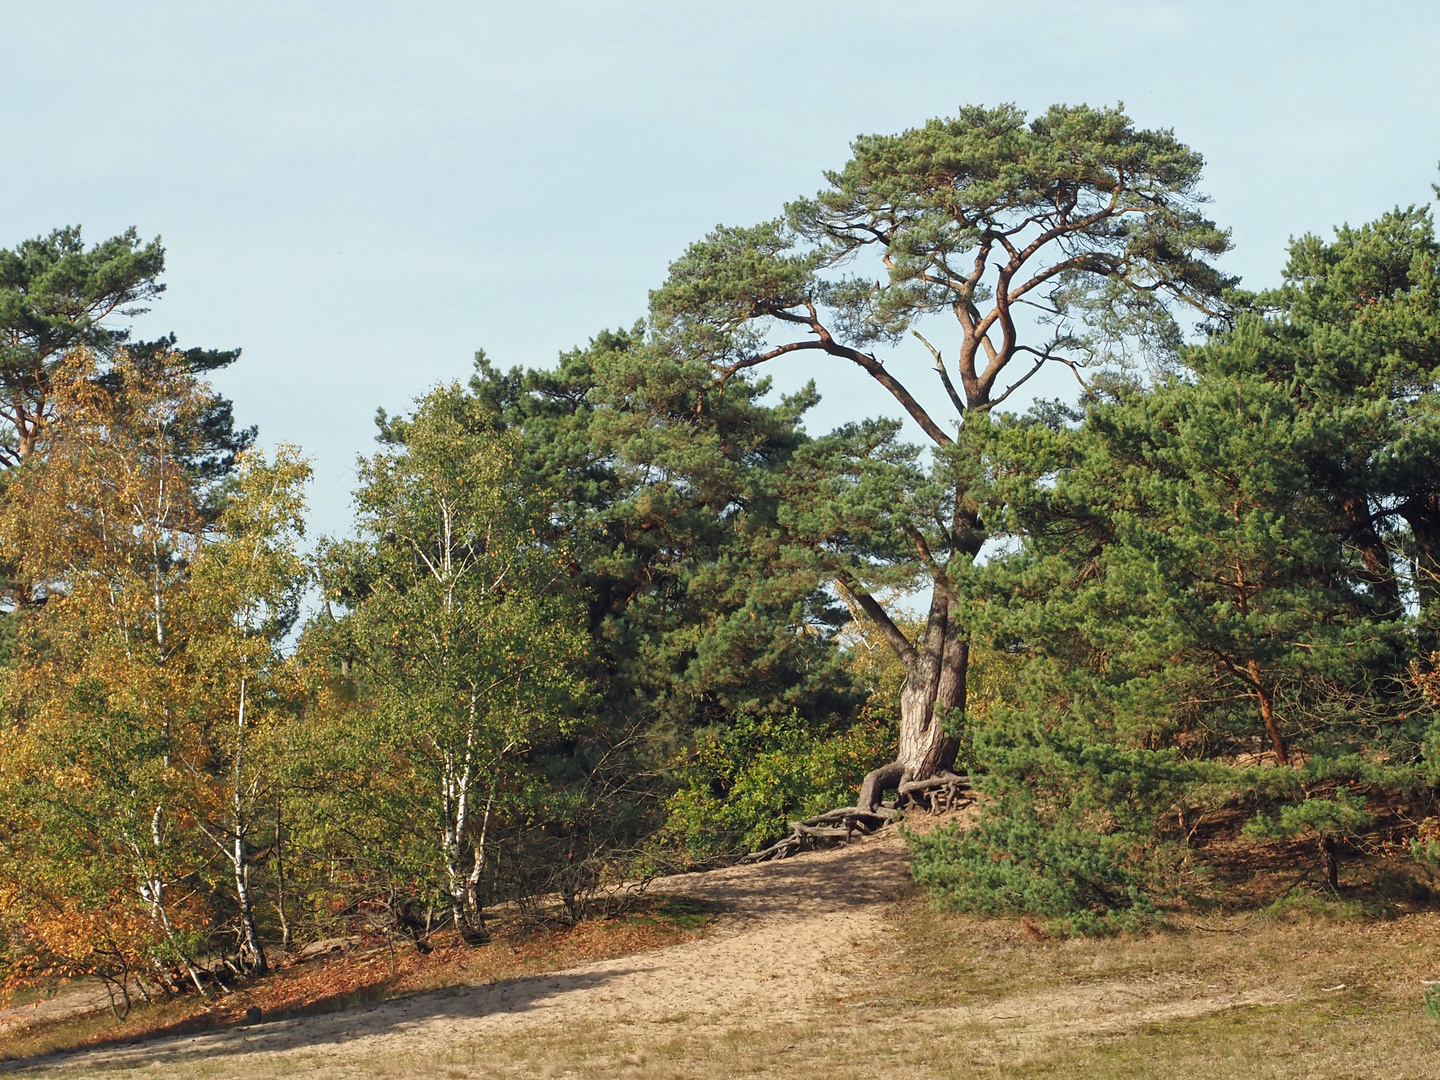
point(343, 1025)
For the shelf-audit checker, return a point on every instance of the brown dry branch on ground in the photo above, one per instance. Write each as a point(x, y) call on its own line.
point(938, 794)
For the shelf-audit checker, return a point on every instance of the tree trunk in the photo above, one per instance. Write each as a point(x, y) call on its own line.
point(253, 951)
point(1422, 514)
point(463, 911)
point(1267, 714)
point(457, 904)
point(474, 911)
point(934, 676)
point(1330, 860)
point(27, 437)
point(455, 877)
point(925, 748)
point(469, 923)
point(285, 935)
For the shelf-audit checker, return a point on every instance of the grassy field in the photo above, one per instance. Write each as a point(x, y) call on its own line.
point(950, 997)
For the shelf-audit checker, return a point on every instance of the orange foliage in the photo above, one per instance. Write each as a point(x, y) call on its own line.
point(1428, 682)
point(116, 764)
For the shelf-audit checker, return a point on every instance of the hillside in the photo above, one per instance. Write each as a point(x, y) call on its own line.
point(824, 965)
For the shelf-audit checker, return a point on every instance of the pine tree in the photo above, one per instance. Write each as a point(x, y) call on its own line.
point(983, 217)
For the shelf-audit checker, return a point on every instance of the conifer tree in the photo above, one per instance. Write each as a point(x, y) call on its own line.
point(983, 217)
point(57, 296)
point(705, 618)
point(1352, 335)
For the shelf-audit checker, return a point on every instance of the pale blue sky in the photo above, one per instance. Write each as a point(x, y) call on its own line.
point(361, 194)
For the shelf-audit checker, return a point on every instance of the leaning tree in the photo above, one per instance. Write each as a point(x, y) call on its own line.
point(1067, 239)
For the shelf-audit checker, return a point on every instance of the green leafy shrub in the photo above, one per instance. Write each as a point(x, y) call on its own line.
point(744, 785)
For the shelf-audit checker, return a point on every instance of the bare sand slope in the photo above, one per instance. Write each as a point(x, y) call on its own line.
point(797, 980)
point(83, 997)
point(781, 928)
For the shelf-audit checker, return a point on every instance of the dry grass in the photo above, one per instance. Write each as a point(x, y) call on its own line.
point(370, 976)
point(946, 997)
point(1312, 988)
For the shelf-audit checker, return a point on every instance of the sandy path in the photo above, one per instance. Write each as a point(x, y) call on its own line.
point(86, 996)
point(792, 948)
point(783, 926)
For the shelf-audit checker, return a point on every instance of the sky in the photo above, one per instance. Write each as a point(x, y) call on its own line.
point(360, 194)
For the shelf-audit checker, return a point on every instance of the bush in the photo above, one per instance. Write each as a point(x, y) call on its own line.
point(1022, 861)
point(1069, 828)
point(743, 786)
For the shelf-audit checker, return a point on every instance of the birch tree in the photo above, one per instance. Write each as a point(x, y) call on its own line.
point(452, 623)
point(99, 690)
point(247, 583)
point(149, 671)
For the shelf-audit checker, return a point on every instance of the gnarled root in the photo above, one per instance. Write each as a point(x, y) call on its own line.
point(935, 794)
point(877, 781)
point(841, 824)
point(938, 793)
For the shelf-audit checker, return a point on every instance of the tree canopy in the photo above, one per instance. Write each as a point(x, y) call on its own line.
point(1068, 239)
point(628, 614)
point(57, 296)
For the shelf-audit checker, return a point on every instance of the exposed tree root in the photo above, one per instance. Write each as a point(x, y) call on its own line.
point(938, 793)
point(873, 787)
point(935, 794)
